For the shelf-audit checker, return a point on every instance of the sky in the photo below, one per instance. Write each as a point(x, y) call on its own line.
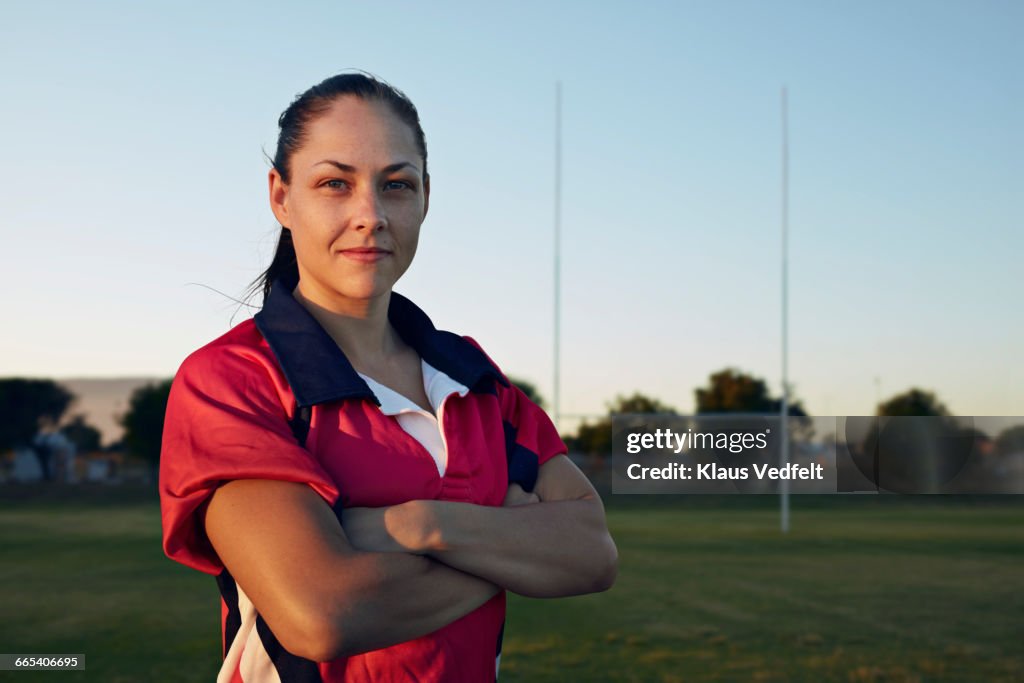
point(135, 207)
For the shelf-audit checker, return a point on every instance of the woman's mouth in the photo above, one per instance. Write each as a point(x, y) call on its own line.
point(366, 254)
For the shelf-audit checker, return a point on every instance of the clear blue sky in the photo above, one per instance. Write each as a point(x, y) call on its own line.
point(134, 137)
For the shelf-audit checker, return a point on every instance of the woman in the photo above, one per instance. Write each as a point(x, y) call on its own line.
point(364, 486)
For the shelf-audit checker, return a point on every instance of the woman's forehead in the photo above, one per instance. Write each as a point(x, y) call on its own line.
point(360, 128)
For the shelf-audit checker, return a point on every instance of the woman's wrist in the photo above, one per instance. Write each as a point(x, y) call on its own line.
point(415, 525)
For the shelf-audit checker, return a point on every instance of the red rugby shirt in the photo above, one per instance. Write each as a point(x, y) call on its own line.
point(228, 418)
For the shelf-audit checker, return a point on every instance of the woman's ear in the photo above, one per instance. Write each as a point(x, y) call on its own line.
point(278, 196)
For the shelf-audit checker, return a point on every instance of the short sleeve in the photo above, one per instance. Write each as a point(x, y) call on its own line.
point(532, 438)
point(534, 429)
point(224, 421)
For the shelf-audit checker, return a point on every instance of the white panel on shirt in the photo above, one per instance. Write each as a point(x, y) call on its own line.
point(246, 652)
point(419, 423)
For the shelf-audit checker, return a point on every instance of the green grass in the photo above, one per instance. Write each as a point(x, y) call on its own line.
point(922, 589)
point(92, 579)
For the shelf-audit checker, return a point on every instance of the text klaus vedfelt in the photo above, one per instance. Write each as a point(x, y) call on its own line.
point(736, 442)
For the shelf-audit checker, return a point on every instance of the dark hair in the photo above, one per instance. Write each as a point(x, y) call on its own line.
point(293, 125)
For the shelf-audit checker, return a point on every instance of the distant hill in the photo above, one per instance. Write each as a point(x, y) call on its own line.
point(103, 400)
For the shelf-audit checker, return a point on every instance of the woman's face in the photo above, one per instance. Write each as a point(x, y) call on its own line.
point(354, 203)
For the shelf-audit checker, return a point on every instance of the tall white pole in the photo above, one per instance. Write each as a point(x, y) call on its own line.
point(784, 455)
point(558, 252)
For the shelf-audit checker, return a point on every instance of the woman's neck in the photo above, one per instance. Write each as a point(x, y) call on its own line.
point(359, 327)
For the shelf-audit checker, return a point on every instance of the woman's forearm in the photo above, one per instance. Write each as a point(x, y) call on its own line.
point(556, 547)
point(381, 599)
point(544, 550)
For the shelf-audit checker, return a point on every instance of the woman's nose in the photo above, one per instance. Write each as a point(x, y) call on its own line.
point(369, 211)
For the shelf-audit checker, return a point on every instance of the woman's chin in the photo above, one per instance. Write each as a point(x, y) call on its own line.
point(364, 290)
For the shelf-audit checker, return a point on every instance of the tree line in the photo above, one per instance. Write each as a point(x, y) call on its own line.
point(30, 406)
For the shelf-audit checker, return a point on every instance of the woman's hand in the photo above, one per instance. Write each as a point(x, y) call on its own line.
point(549, 544)
point(517, 496)
point(410, 527)
point(405, 528)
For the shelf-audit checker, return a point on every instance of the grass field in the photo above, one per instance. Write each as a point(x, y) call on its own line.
point(862, 589)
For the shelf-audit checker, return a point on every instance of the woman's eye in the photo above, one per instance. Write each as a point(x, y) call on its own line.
point(336, 184)
point(397, 185)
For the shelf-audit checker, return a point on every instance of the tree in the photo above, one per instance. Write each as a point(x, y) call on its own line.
point(144, 421)
point(85, 437)
point(27, 406)
point(913, 456)
point(596, 438)
point(528, 388)
point(913, 403)
point(1010, 440)
point(732, 391)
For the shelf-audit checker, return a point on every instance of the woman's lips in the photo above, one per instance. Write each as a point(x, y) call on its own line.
point(366, 255)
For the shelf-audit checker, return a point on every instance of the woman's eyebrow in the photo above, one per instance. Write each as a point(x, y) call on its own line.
point(391, 168)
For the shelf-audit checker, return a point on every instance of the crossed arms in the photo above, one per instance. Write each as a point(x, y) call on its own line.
point(387, 575)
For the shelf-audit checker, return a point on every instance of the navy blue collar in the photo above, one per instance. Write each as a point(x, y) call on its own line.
point(318, 371)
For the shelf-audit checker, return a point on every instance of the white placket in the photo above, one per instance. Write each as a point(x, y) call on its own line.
point(417, 422)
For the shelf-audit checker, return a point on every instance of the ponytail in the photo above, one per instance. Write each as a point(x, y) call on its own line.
point(283, 266)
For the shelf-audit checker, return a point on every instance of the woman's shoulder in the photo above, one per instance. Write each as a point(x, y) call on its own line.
point(239, 349)
point(480, 349)
point(235, 371)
